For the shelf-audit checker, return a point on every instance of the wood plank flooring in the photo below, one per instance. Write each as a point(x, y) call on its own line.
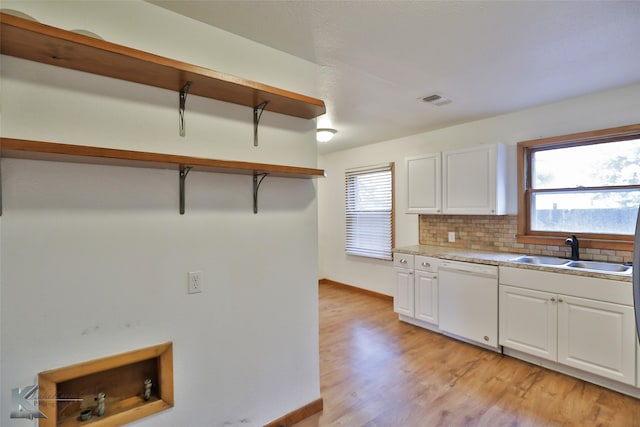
point(378, 371)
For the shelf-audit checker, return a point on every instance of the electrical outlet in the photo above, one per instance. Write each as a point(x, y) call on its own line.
point(195, 282)
point(452, 236)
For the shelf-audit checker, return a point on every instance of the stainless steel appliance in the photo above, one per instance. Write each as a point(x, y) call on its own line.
point(636, 274)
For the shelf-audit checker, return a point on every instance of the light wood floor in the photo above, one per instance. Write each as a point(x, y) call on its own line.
point(378, 371)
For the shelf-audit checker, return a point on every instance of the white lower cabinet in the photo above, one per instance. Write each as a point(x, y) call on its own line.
point(403, 299)
point(591, 335)
point(598, 337)
point(426, 296)
point(529, 321)
point(416, 288)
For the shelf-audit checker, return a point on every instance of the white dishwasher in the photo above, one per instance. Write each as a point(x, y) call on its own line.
point(468, 302)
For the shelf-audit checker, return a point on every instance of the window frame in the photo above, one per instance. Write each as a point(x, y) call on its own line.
point(553, 238)
point(362, 171)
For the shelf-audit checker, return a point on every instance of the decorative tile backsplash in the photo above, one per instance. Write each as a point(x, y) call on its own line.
point(498, 233)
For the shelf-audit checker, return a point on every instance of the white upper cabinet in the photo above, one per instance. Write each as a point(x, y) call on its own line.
point(474, 181)
point(424, 184)
point(470, 181)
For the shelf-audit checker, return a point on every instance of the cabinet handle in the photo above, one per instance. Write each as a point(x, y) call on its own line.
point(553, 299)
point(410, 273)
point(403, 261)
point(426, 264)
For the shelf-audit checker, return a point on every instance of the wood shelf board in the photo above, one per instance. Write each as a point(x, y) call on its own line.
point(115, 407)
point(119, 415)
point(34, 41)
point(51, 151)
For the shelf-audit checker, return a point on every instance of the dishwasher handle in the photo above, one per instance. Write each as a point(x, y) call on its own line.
point(477, 269)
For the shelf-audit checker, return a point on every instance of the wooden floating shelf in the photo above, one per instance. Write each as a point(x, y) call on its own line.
point(34, 41)
point(51, 151)
point(120, 377)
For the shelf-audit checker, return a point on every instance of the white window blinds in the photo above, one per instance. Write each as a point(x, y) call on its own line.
point(369, 209)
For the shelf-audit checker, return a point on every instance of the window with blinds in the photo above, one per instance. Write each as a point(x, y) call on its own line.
point(369, 210)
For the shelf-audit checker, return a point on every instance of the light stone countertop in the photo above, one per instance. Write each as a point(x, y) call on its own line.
point(501, 259)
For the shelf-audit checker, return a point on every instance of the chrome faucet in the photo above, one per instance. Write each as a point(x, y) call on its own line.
point(575, 247)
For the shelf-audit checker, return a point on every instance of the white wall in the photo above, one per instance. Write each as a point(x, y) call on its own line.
point(602, 110)
point(95, 258)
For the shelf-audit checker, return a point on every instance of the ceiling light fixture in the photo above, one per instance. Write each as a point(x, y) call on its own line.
point(325, 134)
point(435, 99)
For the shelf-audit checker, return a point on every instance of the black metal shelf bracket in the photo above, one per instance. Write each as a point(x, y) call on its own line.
point(257, 180)
point(184, 171)
point(257, 114)
point(183, 100)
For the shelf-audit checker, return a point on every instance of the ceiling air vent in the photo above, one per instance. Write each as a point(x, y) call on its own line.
point(435, 99)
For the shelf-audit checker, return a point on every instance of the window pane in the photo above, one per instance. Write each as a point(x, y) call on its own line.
point(369, 212)
point(370, 192)
point(369, 234)
point(607, 212)
point(596, 165)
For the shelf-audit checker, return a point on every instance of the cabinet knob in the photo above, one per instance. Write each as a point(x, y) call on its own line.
point(403, 261)
point(426, 264)
point(560, 300)
point(486, 338)
point(553, 299)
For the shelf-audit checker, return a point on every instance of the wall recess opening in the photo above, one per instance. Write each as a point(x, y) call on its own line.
point(114, 390)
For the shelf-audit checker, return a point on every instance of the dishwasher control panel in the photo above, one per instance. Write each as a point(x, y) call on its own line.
point(467, 267)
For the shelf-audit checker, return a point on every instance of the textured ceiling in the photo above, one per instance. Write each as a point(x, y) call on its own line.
point(376, 58)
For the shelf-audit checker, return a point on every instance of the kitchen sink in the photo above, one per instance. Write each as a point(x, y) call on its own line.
point(549, 261)
point(599, 266)
point(542, 260)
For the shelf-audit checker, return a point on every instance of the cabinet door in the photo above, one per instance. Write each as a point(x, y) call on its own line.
point(403, 300)
point(528, 321)
point(598, 337)
point(426, 297)
point(469, 181)
point(424, 184)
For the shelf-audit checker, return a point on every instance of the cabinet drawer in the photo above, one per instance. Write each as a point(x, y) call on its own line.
point(426, 263)
point(403, 261)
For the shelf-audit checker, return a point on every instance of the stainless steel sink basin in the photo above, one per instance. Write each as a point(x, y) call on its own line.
point(599, 266)
point(541, 260)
